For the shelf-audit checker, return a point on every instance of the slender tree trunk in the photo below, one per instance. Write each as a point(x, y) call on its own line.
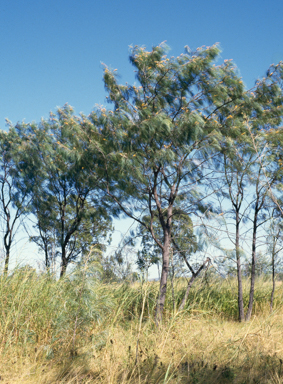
point(7, 258)
point(251, 298)
point(47, 260)
point(239, 271)
point(274, 243)
point(7, 245)
point(164, 277)
point(185, 298)
point(273, 280)
point(64, 263)
point(172, 287)
point(63, 268)
point(190, 283)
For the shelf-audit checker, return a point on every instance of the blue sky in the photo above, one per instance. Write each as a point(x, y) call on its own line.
point(51, 51)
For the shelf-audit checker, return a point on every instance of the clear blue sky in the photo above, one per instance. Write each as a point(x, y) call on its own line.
point(51, 51)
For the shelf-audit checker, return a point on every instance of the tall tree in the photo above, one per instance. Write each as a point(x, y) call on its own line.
point(161, 133)
point(248, 164)
point(236, 179)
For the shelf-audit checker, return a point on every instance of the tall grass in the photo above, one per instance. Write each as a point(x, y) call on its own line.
point(217, 297)
point(43, 318)
point(78, 330)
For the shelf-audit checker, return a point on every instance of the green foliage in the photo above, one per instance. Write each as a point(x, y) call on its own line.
point(155, 157)
point(159, 140)
point(67, 202)
point(117, 268)
point(37, 309)
point(14, 195)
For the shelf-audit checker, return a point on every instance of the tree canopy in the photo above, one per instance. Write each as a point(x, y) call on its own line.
point(161, 137)
point(185, 134)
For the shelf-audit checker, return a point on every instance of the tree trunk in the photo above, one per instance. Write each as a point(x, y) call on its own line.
point(7, 258)
point(173, 292)
point(164, 277)
point(239, 271)
point(7, 245)
point(273, 280)
point(185, 298)
point(190, 283)
point(64, 263)
point(47, 259)
point(251, 298)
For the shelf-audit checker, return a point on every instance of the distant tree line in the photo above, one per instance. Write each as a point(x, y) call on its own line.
point(188, 144)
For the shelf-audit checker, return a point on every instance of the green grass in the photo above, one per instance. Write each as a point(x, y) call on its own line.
point(78, 330)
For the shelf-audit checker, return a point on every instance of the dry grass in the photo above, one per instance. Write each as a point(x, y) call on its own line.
point(193, 349)
point(199, 345)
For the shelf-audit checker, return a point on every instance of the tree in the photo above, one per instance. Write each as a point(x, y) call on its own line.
point(274, 247)
point(266, 115)
point(119, 266)
point(259, 218)
point(71, 215)
point(161, 134)
point(184, 244)
point(241, 172)
point(247, 164)
point(14, 198)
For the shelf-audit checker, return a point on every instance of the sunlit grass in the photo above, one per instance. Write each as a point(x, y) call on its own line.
point(78, 330)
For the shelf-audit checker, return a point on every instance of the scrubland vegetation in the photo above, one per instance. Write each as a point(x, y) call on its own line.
point(79, 330)
point(194, 159)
